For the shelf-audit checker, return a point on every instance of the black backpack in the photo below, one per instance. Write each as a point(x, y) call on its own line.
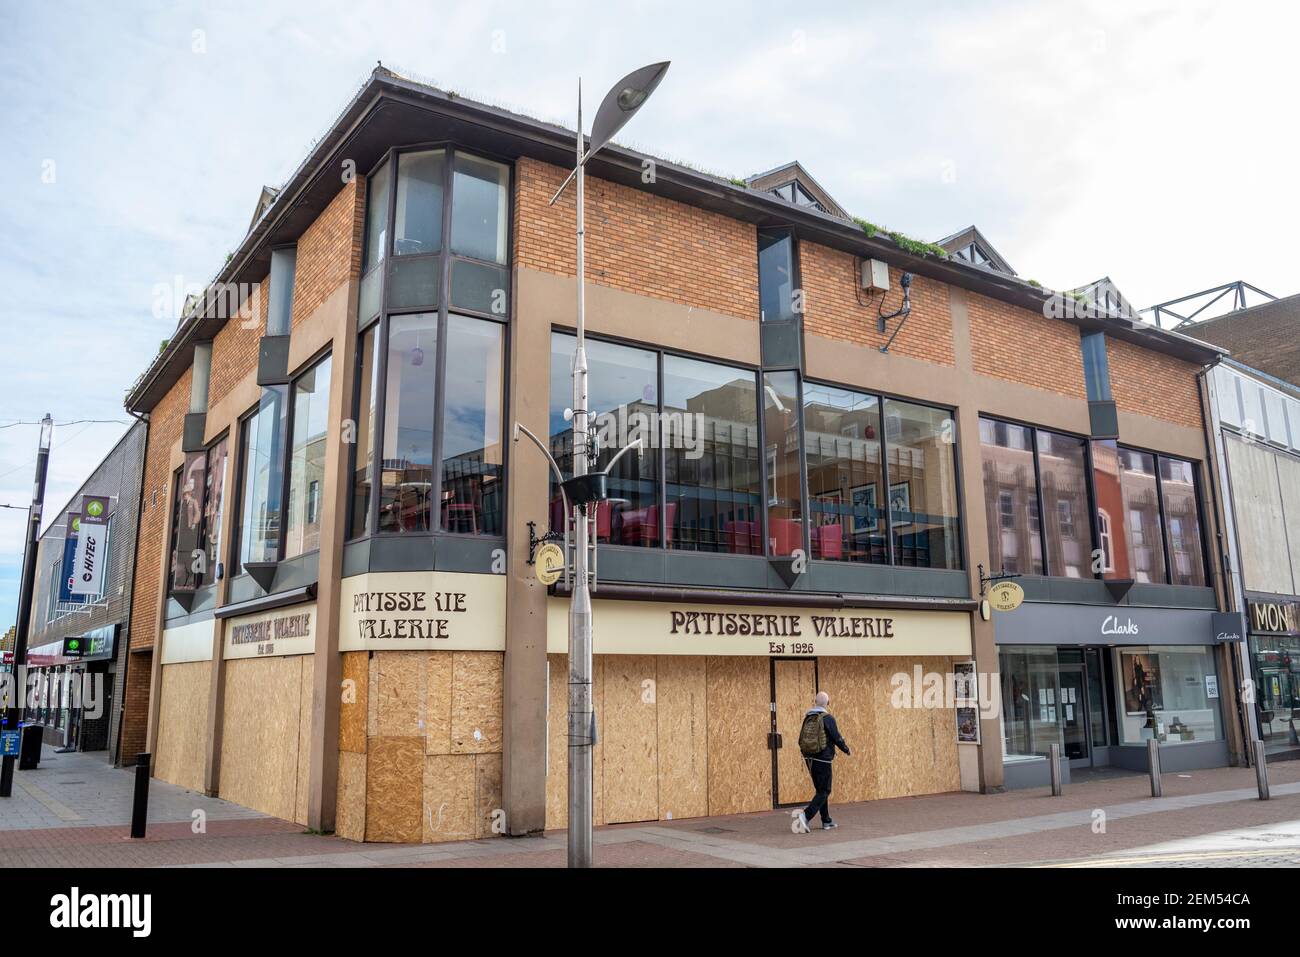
point(812, 734)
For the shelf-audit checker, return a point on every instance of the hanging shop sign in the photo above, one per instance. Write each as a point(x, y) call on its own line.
point(397, 611)
point(74, 647)
point(669, 628)
point(1006, 596)
point(549, 563)
point(68, 571)
point(92, 547)
point(266, 634)
point(1226, 626)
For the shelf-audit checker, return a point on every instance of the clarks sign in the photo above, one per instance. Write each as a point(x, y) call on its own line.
point(652, 628)
point(1112, 625)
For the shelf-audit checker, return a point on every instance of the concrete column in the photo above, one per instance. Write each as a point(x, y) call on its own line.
point(525, 741)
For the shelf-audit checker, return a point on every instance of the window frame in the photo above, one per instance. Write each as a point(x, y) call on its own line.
point(796, 275)
point(235, 555)
point(210, 579)
point(442, 309)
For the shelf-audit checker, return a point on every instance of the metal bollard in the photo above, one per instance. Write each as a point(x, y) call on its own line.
point(1153, 763)
point(140, 806)
point(1261, 770)
point(1054, 760)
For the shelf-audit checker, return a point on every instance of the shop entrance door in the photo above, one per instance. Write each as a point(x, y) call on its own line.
point(794, 683)
point(1073, 706)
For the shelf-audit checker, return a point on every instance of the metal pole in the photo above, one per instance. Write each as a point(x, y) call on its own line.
point(1153, 765)
point(140, 799)
point(18, 674)
point(582, 720)
point(1054, 759)
point(1261, 770)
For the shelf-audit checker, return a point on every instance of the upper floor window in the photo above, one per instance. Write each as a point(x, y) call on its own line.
point(795, 193)
point(776, 276)
point(282, 460)
point(196, 519)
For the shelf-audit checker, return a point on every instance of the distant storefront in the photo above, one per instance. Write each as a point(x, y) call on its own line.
point(1273, 644)
point(76, 682)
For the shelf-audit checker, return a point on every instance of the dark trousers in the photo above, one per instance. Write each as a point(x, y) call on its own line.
point(821, 779)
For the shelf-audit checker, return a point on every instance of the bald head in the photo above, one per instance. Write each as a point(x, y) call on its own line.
point(822, 699)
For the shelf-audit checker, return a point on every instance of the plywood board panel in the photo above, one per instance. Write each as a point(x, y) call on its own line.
point(306, 690)
point(259, 741)
point(629, 733)
point(350, 814)
point(557, 781)
point(476, 702)
point(449, 797)
point(489, 819)
point(355, 692)
point(401, 691)
point(394, 789)
point(372, 699)
point(682, 733)
point(796, 684)
point(181, 755)
point(437, 702)
point(850, 684)
point(740, 764)
point(915, 746)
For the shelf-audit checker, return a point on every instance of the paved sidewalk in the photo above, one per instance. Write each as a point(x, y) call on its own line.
point(74, 812)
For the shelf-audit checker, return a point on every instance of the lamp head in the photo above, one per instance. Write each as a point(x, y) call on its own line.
point(622, 101)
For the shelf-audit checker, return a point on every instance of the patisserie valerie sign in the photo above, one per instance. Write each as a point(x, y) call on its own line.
point(422, 610)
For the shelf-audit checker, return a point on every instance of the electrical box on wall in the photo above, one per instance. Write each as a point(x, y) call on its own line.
point(875, 275)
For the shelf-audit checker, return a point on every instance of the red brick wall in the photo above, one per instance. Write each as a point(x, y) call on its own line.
point(637, 242)
point(1154, 384)
point(329, 251)
point(166, 423)
point(234, 349)
point(837, 308)
point(1025, 347)
point(135, 718)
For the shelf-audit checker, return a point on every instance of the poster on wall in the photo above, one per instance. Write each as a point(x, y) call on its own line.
point(968, 726)
point(1141, 676)
point(864, 508)
point(966, 694)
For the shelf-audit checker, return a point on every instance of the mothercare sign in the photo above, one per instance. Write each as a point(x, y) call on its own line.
point(450, 611)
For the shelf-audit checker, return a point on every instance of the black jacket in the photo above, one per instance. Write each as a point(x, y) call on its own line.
point(833, 737)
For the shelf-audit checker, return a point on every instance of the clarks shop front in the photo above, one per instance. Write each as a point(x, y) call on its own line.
point(1102, 681)
point(699, 705)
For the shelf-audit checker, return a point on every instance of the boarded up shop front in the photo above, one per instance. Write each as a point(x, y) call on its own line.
point(687, 698)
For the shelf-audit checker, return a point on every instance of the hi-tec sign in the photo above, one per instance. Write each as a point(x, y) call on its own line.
point(91, 557)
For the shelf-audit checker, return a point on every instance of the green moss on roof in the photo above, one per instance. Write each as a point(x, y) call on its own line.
point(904, 242)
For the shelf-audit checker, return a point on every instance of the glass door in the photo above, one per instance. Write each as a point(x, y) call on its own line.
point(1073, 711)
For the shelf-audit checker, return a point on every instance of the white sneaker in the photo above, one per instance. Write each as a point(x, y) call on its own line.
point(802, 822)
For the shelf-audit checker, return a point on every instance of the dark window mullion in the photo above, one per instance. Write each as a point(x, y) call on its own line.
point(887, 508)
point(444, 296)
point(1164, 520)
point(1038, 491)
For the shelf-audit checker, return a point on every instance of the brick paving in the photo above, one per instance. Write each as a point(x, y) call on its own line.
point(74, 812)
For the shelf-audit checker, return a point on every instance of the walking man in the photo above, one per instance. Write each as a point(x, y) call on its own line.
point(819, 736)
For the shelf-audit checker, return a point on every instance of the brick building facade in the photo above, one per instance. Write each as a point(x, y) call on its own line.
point(376, 539)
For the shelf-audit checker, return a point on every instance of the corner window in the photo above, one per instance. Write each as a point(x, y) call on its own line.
point(363, 462)
point(471, 499)
point(785, 463)
point(776, 276)
point(410, 396)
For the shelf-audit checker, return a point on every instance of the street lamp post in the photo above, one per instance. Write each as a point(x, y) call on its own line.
point(18, 671)
point(619, 105)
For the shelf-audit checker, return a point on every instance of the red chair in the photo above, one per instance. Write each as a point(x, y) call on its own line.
point(829, 542)
point(785, 535)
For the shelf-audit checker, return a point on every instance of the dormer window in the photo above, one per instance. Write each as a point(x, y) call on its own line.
point(972, 253)
point(794, 193)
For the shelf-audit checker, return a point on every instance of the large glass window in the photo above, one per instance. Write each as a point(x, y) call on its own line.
point(1032, 709)
point(418, 227)
point(922, 485)
point(376, 219)
point(472, 501)
point(187, 531)
point(311, 395)
point(364, 463)
point(410, 393)
point(776, 282)
point(214, 503)
point(1182, 522)
point(479, 218)
point(1146, 549)
point(1170, 693)
point(846, 499)
point(1011, 498)
point(262, 455)
point(713, 482)
point(623, 399)
point(1063, 472)
point(784, 463)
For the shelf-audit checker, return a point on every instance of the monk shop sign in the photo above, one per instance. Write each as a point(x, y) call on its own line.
point(398, 611)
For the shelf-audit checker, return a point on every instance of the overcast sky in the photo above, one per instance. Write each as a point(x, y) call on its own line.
point(1151, 142)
